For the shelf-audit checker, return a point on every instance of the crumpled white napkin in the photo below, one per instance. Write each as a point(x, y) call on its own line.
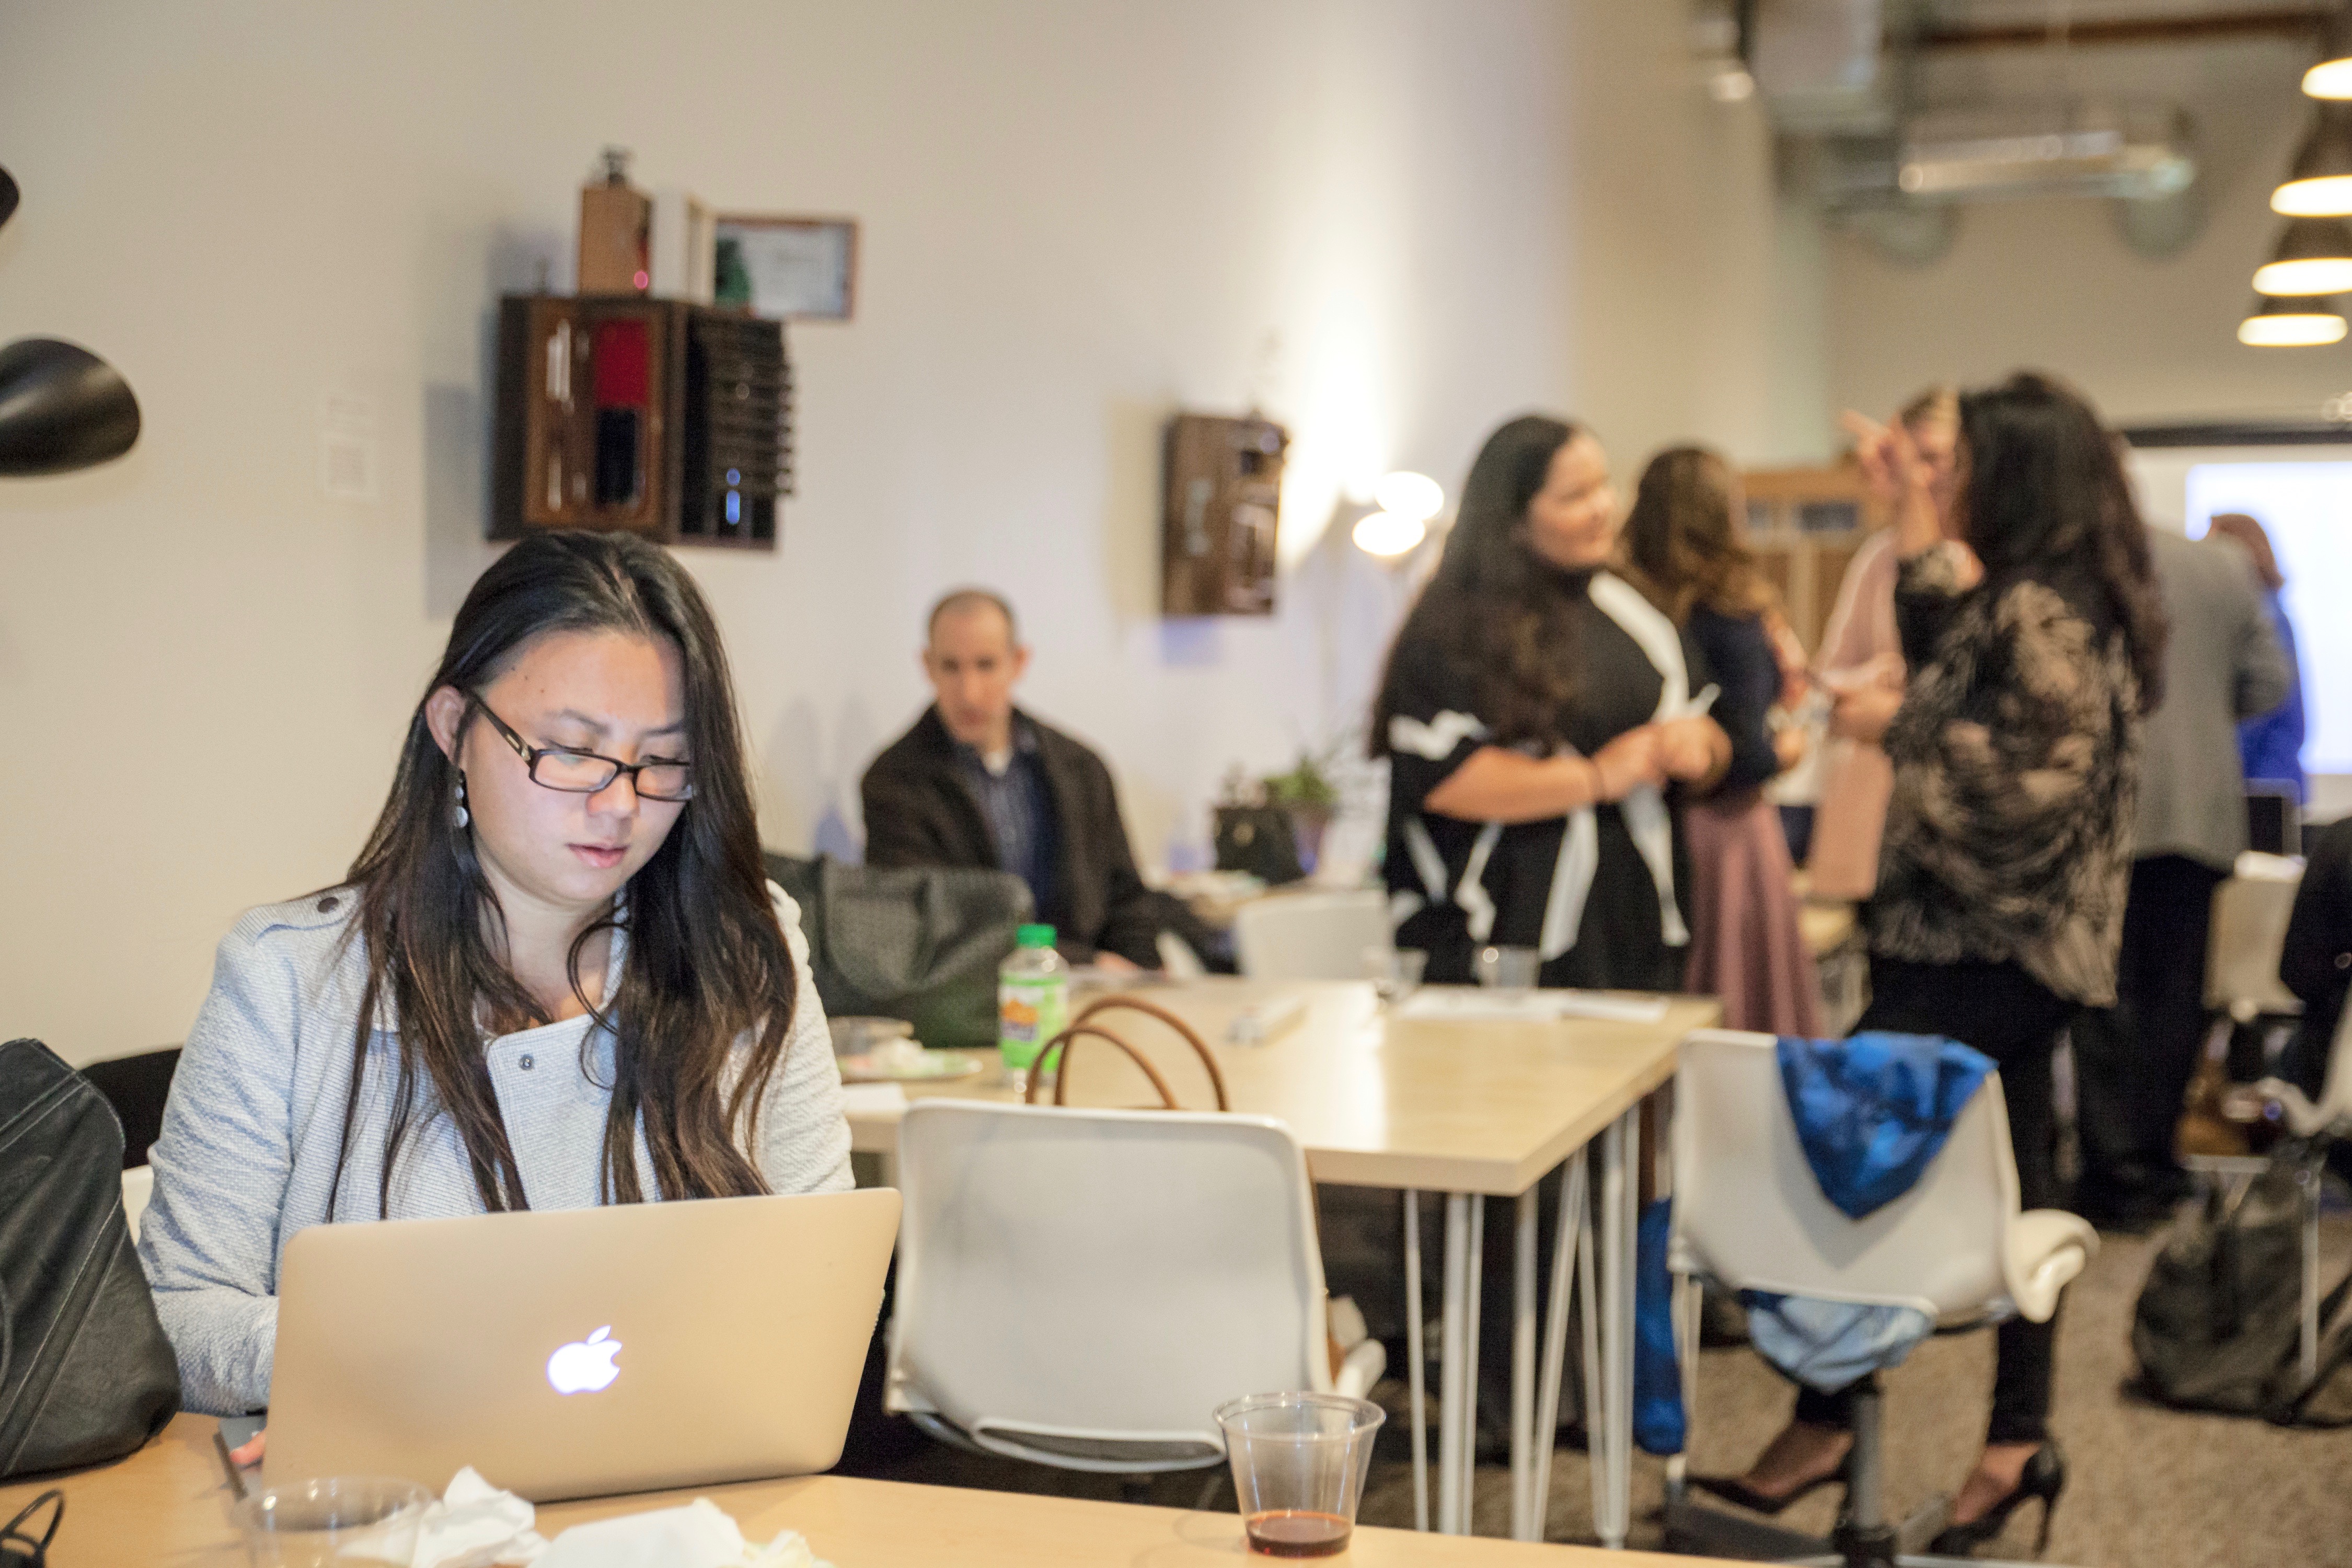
point(476, 1525)
point(699, 1535)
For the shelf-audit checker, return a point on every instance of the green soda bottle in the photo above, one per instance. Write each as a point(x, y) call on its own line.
point(1033, 1003)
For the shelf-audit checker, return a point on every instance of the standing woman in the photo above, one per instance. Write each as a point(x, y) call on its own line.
point(1534, 706)
point(1683, 549)
point(2034, 648)
point(555, 977)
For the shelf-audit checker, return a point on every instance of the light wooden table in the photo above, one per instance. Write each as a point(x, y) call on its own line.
point(168, 1507)
point(1472, 1110)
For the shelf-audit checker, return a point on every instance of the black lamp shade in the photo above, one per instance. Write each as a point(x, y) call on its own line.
point(61, 408)
point(2331, 76)
point(2314, 257)
point(9, 195)
point(2320, 183)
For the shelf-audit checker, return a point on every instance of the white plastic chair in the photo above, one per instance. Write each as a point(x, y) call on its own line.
point(1084, 1287)
point(1751, 1216)
point(138, 1186)
point(2249, 930)
point(1310, 935)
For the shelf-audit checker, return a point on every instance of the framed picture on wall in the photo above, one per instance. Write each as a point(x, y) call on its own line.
point(787, 268)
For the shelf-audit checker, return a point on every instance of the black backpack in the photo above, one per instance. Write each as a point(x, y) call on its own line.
point(2219, 1322)
point(85, 1374)
point(917, 942)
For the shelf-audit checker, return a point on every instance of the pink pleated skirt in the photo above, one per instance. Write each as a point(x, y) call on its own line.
point(1746, 948)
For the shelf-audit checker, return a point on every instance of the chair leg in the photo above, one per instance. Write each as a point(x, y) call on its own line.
point(1470, 1336)
point(1688, 1305)
point(1415, 1374)
point(2307, 1189)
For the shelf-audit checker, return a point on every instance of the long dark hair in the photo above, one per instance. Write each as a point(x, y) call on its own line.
point(1682, 542)
point(2046, 499)
point(1494, 602)
point(707, 962)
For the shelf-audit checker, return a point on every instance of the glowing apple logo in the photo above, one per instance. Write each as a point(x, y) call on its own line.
point(585, 1366)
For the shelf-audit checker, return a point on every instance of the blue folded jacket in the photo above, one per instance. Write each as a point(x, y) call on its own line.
point(1872, 1111)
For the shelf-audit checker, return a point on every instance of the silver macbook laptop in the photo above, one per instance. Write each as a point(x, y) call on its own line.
point(581, 1351)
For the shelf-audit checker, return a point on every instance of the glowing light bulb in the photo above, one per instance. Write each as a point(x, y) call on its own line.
point(1387, 534)
point(1409, 494)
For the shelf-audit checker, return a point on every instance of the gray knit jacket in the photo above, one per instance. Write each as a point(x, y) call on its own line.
point(254, 1127)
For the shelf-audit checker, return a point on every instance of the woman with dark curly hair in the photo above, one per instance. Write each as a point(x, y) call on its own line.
point(2035, 643)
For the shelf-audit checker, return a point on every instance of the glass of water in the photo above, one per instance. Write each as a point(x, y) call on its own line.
point(335, 1521)
point(1508, 968)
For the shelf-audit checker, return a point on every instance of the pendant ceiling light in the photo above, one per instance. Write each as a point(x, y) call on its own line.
point(2291, 323)
point(2331, 76)
point(2320, 183)
point(2314, 257)
point(7, 196)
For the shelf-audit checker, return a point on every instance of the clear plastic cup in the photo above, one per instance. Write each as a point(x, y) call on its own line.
point(1299, 1461)
point(336, 1521)
point(1508, 968)
point(1395, 972)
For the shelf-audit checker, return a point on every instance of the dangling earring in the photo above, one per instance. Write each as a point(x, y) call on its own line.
point(461, 816)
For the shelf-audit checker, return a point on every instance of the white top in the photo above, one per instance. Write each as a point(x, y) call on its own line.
point(254, 1127)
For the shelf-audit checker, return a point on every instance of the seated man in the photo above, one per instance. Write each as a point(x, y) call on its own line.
point(977, 781)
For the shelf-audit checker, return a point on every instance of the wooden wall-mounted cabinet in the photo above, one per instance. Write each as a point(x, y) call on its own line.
point(1804, 525)
point(1222, 506)
point(642, 416)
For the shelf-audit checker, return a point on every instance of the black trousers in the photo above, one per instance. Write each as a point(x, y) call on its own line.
point(2014, 1019)
point(2133, 1061)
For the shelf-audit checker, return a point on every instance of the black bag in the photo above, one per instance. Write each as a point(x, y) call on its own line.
point(1260, 840)
point(917, 942)
point(85, 1374)
point(2219, 1322)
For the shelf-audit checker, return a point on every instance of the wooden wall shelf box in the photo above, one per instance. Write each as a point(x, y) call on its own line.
point(652, 417)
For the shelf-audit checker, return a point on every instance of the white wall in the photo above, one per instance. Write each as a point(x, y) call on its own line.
point(1077, 217)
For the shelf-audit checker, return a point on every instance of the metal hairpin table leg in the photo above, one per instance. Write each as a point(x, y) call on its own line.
point(1450, 1362)
point(1621, 1146)
point(1413, 1359)
point(1526, 1451)
point(1555, 1344)
point(1469, 1406)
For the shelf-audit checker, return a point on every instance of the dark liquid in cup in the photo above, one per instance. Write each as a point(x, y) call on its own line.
point(1297, 1532)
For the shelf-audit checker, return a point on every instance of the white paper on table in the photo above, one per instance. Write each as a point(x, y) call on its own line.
point(1466, 1004)
point(699, 1535)
point(476, 1525)
point(873, 1099)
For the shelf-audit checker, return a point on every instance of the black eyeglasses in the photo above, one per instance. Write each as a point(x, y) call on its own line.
point(585, 773)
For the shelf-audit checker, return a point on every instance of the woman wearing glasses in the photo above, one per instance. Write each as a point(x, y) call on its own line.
point(555, 976)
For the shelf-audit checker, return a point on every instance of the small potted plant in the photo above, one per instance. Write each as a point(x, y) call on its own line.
point(1306, 793)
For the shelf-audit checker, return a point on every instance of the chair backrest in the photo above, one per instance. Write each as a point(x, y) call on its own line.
point(2333, 1112)
point(1310, 935)
point(1748, 1211)
point(1084, 1287)
point(2242, 956)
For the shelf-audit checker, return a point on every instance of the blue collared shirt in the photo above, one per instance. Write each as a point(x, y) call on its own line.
point(1018, 809)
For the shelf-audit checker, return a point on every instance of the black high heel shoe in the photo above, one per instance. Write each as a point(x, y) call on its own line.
point(1731, 1489)
point(2045, 1477)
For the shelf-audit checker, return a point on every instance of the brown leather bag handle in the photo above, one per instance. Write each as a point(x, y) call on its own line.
point(1062, 1080)
point(1152, 1010)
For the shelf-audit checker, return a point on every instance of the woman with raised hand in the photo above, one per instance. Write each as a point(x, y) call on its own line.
point(1534, 708)
point(2035, 642)
point(556, 975)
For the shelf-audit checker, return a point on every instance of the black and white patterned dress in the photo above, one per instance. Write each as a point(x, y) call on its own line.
point(1595, 891)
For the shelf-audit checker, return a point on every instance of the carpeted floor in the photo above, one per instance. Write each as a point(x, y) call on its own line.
point(2149, 1488)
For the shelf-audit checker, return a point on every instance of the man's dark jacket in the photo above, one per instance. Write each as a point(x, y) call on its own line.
point(919, 811)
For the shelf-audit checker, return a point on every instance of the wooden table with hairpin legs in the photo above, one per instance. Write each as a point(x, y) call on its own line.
point(168, 1506)
point(1471, 1108)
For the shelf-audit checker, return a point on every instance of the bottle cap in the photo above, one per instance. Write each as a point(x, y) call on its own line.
point(1035, 936)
